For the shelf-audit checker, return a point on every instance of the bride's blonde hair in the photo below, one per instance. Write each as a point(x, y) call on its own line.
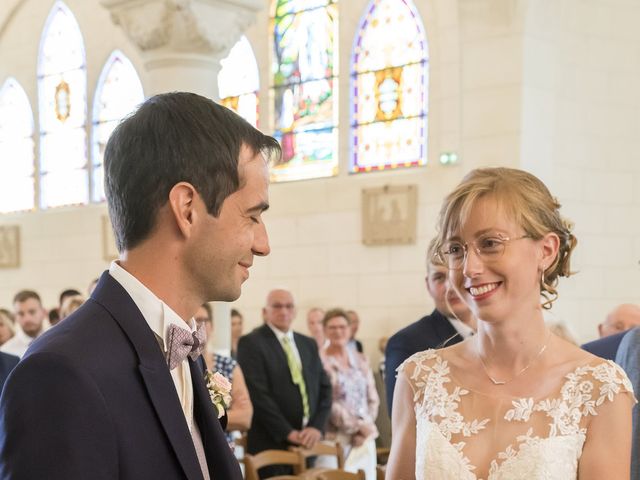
point(526, 200)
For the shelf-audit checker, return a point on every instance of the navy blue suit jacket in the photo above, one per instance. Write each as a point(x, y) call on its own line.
point(605, 347)
point(431, 331)
point(7, 363)
point(94, 398)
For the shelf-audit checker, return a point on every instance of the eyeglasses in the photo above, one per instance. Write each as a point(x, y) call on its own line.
point(489, 248)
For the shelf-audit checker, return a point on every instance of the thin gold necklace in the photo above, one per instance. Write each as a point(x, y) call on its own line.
point(526, 367)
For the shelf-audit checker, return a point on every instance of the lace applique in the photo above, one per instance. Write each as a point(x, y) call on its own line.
point(529, 456)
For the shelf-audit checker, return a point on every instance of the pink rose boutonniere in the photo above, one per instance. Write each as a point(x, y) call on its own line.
point(219, 388)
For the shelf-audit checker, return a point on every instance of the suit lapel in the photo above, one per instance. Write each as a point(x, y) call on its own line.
point(447, 332)
point(153, 369)
point(305, 359)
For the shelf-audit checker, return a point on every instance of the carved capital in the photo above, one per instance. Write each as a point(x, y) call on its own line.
point(206, 27)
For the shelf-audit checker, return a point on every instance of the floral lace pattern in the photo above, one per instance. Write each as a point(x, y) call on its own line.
point(552, 430)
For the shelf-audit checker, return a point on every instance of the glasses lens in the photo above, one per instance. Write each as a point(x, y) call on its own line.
point(490, 248)
point(454, 254)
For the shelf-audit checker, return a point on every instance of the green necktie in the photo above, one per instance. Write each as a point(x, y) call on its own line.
point(296, 374)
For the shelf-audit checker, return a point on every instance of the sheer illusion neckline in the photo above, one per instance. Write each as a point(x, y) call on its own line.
point(552, 391)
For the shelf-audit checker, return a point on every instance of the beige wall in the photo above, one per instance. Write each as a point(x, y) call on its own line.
point(541, 84)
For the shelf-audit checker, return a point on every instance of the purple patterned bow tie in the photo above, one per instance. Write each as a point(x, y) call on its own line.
point(183, 343)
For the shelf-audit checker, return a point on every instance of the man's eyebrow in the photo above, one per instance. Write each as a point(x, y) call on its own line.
point(260, 207)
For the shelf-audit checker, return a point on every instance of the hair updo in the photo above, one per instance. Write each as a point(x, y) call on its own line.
point(526, 200)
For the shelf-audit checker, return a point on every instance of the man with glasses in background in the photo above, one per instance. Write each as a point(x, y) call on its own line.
point(289, 389)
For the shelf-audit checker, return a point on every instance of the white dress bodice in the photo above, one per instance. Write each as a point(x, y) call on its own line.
point(462, 434)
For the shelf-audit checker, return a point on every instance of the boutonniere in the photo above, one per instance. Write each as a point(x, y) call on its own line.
point(219, 388)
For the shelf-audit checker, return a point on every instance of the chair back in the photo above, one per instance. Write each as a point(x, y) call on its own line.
point(338, 474)
point(323, 448)
point(253, 463)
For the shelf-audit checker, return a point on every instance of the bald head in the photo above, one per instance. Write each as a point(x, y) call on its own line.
point(621, 318)
point(280, 309)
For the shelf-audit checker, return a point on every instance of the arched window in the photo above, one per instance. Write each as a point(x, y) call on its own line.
point(118, 93)
point(389, 88)
point(16, 149)
point(238, 81)
point(305, 69)
point(62, 91)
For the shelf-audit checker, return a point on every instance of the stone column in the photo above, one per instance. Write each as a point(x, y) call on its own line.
point(183, 41)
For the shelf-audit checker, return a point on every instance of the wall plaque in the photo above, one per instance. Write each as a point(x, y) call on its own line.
point(389, 215)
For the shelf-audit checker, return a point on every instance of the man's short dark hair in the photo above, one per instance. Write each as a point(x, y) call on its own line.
point(235, 313)
point(171, 138)
point(69, 292)
point(24, 295)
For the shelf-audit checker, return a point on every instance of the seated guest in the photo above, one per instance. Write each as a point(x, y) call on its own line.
point(236, 331)
point(240, 410)
point(7, 330)
point(355, 399)
point(69, 305)
point(30, 315)
point(621, 319)
point(628, 358)
point(314, 325)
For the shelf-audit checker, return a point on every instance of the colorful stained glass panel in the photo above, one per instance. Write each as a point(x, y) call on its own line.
point(16, 149)
point(62, 92)
point(239, 82)
point(118, 93)
point(390, 84)
point(305, 89)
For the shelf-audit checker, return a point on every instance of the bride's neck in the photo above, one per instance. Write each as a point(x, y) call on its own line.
point(513, 342)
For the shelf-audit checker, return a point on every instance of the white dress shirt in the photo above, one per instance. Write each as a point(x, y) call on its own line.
point(462, 328)
point(159, 316)
point(18, 344)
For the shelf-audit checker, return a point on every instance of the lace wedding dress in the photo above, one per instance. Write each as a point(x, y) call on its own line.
point(466, 435)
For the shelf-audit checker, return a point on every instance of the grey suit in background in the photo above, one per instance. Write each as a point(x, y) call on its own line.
point(628, 358)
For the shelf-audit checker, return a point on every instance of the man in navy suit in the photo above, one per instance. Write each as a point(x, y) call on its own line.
point(117, 390)
point(449, 323)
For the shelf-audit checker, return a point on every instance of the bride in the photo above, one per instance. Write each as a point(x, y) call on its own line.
point(513, 401)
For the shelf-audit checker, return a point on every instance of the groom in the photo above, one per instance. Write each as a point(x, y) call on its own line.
point(116, 391)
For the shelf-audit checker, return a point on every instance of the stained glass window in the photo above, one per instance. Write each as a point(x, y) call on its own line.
point(389, 82)
point(62, 91)
point(118, 93)
point(238, 81)
point(305, 70)
point(16, 149)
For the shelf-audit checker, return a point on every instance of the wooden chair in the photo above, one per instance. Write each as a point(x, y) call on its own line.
point(382, 455)
point(338, 474)
point(324, 447)
point(253, 463)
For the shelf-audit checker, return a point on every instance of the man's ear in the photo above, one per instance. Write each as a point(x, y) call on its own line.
point(182, 198)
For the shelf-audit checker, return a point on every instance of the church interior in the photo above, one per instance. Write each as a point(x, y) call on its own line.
point(381, 107)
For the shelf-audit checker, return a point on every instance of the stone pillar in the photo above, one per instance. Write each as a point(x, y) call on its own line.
point(183, 41)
